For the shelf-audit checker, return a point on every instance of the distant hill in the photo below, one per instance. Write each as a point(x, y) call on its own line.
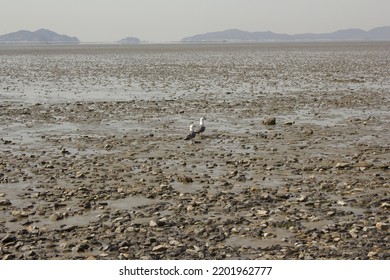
point(130, 40)
point(39, 36)
point(235, 35)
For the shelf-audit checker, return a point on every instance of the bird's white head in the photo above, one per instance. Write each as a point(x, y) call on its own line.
point(191, 127)
point(201, 120)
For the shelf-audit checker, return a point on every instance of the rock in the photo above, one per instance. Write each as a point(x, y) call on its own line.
point(308, 257)
point(363, 165)
point(82, 247)
point(192, 253)
point(9, 238)
point(5, 202)
point(16, 213)
point(353, 233)
point(235, 230)
point(372, 254)
point(185, 179)
point(269, 121)
point(343, 165)
point(330, 213)
point(9, 257)
point(56, 216)
point(308, 130)
point(385, 205)
point(382, 226)
point(268, 234)
point(153, 224)
point(110, 248)
point(24, 214)
point(32, 229)
point(68, 228)
point(160, 248)
point(175, 243)
point(341, 203)
point(283, 194)
point(64, 151)
point(262, 213)
point(161, 222)
point(30, 254)
point(87, 205)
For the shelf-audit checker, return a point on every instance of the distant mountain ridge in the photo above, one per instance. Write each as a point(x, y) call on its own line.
point(130, 40)
point(236, 35)
point(39, 36)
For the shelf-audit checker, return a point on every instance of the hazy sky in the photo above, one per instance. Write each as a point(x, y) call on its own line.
point(171, 20)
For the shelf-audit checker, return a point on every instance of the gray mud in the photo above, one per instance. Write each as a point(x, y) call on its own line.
point(94, 166)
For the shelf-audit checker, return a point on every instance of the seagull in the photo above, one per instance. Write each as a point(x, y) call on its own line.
point(202, 128)
point(192, 133)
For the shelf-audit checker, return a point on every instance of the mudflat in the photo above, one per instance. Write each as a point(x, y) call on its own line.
point(293, 164)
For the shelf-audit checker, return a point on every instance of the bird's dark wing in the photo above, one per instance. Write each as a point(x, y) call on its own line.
point(201, 129)
point(190, 136)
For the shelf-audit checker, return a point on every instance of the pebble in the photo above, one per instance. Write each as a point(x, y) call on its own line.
point(82, 247)
point(9, 238)
point(153, 224)
point(382, 226)
point(5, 202)
point(269, 121)
point(372, 254)
point(385, 205)
point(343, 165)
point(160, 248)
point(185, 179)
point(262, 213)
point(341, 202)
point(56, 216)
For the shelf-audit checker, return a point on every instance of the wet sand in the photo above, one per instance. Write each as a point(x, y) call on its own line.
point(94, 165)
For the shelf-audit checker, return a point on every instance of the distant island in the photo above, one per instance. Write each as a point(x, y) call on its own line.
point(41, 36)
point(45, 36)
point(235, 35)
point(130, 40)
